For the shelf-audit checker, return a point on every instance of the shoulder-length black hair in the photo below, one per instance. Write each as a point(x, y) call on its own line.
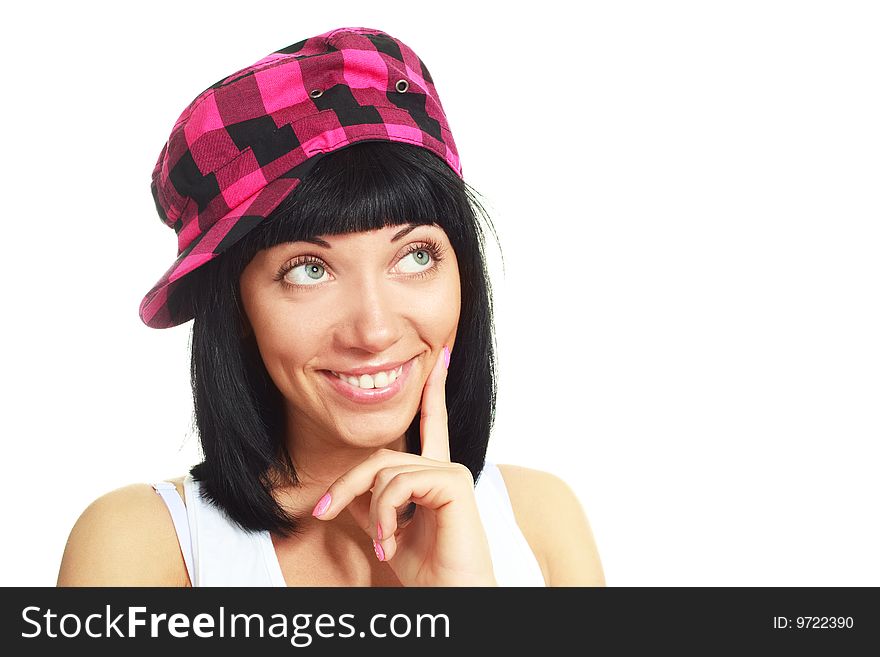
point(238, 410)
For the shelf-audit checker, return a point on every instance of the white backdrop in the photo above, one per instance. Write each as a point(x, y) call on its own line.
point(687, 200)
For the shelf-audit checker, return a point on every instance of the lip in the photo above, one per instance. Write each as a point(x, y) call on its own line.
point(372, 396)
point(357, 371)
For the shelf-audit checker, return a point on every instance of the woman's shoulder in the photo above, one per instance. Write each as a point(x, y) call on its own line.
point(125, 537)
point(555, 526)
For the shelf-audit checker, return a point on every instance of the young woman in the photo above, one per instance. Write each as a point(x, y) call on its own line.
point(331, 257)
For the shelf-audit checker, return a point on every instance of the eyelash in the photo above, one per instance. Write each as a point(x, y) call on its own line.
point(431, 246)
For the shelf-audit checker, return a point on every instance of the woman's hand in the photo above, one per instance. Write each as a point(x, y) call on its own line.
point(445, 543)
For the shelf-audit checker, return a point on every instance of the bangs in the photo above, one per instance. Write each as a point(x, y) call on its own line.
point(366, 186)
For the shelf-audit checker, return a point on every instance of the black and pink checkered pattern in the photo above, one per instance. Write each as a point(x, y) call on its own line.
point(245, 143)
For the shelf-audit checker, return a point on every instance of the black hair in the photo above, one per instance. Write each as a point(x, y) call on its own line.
point(238, 410)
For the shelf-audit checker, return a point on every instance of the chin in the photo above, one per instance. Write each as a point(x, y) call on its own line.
point(375, 435)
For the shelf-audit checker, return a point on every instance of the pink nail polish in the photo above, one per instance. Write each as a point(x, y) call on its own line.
point(446, 355)
point(380, 553)
point(322, 505)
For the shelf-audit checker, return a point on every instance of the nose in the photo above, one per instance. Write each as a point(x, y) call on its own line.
point(373, 321)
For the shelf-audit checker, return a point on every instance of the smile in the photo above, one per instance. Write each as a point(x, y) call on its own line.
point(369, 388)
point(369, 381)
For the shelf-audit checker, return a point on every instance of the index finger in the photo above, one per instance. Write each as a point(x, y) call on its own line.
point(433, 425)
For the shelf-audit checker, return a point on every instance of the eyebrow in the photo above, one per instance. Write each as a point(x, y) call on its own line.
point(397, 236)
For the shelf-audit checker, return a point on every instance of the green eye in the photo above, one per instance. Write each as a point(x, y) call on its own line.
point(307, 273)
point(422, 258)
point(314, 271)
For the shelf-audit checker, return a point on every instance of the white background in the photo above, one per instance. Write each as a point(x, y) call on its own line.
point(687, 200)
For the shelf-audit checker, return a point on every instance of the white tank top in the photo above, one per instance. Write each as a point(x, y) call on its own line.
point(218, 552)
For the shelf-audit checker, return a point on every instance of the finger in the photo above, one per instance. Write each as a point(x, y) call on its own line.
point(359, 508)
point(358, 481)
point(428, 487)
point(386, 520)
point(433, 425)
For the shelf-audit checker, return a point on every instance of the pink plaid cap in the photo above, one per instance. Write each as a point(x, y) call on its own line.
point(244, 144)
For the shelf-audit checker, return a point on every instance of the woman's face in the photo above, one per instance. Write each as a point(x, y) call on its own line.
point(359, 304)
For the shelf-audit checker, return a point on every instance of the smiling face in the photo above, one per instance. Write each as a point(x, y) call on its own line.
point(375, 307)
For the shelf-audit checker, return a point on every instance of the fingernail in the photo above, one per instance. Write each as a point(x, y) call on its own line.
point(379, 530)
point(380, 553)
point(322, 505)
point(446, 355)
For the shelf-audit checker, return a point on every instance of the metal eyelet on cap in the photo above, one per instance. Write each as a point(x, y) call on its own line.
point(402, 86)
point(316, 93)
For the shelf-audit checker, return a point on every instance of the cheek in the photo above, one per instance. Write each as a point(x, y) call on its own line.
point(286, 342)
point(437, 311)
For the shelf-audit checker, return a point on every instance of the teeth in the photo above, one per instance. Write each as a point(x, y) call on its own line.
point(368, 381)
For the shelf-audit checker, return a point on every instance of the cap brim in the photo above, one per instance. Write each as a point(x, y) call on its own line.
point(157, 309)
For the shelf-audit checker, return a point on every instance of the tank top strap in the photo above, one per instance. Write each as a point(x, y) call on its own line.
point(177, 508)
point(512, 558)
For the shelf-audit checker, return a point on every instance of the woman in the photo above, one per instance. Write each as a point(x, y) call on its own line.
point(342, 353)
